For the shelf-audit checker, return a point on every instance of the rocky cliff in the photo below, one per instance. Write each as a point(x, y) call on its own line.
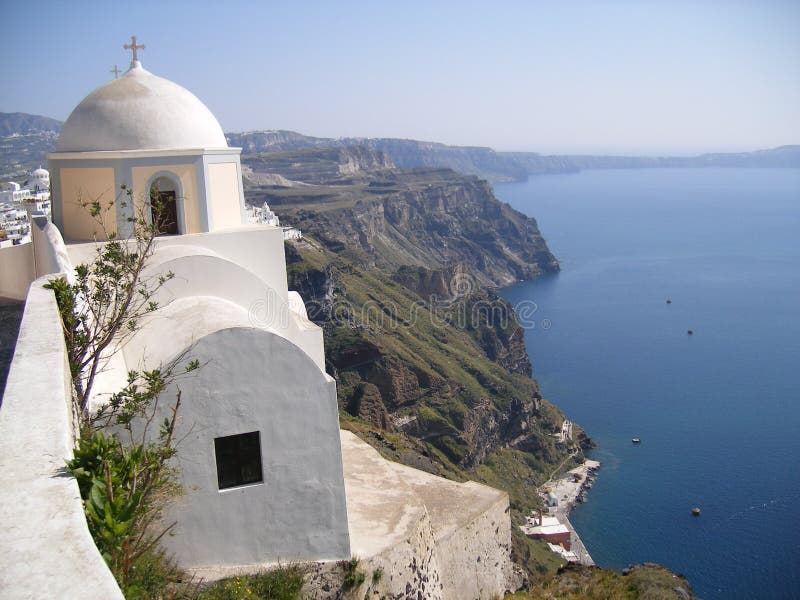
point(450, 370)
point(429, 218)
point(407, 154)
point(507, 166)
point(645, 581)
point(320, 165)
point(24, 141)
point(538, 164)
point(399, 267)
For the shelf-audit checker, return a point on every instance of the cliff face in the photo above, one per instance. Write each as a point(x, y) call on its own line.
point(318, 165)
point(506, 166)
point(425, 218)
point(414, 354)
point(647, 580)
point(406, 154)
point(398, 267)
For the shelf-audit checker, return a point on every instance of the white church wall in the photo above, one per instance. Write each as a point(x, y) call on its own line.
point(186, 175)
point(256, 248)
point(308, 337)
point(48, 551)
point(224, 195)
point(16, 271)
point(200, 271)
point(255, 381)
point(137, 169)
point(83, 185)
point(49, 251)
point(198, 275)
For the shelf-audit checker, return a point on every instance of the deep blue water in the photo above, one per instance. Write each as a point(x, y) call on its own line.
point(719, 411)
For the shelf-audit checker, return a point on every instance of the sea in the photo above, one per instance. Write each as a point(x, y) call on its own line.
point(717, 411)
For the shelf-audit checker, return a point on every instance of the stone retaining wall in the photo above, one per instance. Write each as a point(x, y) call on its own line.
point(47, 549)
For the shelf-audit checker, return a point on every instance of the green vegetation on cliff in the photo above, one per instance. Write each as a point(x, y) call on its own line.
point(642, 582)
point(416, 381)
point(399, 268)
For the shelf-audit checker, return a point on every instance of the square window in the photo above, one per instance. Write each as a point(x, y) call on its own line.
point(238, 459)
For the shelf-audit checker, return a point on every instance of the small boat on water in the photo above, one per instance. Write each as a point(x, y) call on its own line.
point(636, 440)
point(696, 511)
point(669, 301)
point(690, 332)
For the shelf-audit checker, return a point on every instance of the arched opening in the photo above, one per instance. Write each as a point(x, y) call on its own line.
point(164, 205)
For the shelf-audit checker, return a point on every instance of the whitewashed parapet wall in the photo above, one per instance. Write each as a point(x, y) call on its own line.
point(47, 551)
point(430, 537)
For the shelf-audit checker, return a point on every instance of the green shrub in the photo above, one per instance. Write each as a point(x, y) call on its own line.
point(377, 575)
point(283, 583)
point(352, 576)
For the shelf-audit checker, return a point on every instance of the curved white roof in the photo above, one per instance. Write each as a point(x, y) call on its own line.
point(140, 111)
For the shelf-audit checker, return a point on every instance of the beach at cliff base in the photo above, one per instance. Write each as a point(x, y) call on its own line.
point(559, 495)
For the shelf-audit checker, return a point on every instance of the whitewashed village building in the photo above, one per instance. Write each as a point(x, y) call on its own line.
point(18, 202)
point(266, 472)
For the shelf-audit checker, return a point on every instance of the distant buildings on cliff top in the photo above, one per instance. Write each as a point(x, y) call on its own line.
point(16, 202)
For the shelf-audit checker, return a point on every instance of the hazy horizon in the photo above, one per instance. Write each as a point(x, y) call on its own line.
point(614, 78)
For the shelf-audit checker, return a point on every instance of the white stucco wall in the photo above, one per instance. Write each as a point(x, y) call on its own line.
point(16, 271)
point(256, 248)
point(82, 185)
point(20, 265)
point(207, 274)
point(47, 551)
point(224, 194)
point(49, 251)
point(252, 380)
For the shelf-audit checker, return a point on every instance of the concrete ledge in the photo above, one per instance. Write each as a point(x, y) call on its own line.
point(433, 538)
point(16, 271)
point(47, 551)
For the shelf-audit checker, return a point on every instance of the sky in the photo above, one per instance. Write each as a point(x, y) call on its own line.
point(623, 77)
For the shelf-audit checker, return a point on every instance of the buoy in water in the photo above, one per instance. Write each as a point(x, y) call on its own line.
point(669, 301)
point(696, 511)
point(690, 332)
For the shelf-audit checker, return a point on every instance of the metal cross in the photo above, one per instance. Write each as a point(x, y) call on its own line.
point(115, 71)
point(134, 46)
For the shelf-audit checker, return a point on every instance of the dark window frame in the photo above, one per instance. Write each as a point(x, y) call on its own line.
point(238, 460)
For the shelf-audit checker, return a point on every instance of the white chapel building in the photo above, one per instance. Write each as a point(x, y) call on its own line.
point(147, 132)
point(260, 457)
point(267, 475)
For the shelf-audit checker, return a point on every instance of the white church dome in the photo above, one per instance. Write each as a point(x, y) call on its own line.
point(140, 111)
point(39, 180)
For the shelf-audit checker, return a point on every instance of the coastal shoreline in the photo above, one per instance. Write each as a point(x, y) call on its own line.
point(565, 491)
point(568, 489)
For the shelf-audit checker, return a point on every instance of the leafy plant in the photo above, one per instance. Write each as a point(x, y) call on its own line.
point(121, 465)
point(124, 485)
point(103, 303)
